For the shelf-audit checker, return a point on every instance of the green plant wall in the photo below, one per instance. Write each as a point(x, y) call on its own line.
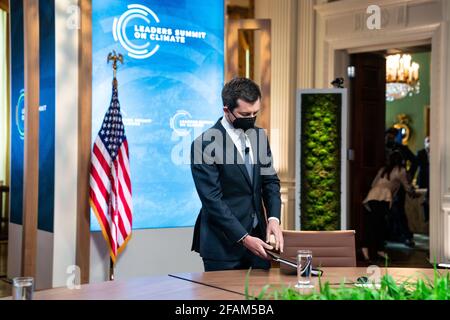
point(320, 161)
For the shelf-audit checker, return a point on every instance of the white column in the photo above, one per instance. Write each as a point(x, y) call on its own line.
point(440, 148)
point(320, 49)
point(446, 10)
point(283, 15)
point(66, 137)
point(306, 44)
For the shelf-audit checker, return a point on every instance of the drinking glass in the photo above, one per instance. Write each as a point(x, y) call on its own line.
point(23, 288)
point(304, 268)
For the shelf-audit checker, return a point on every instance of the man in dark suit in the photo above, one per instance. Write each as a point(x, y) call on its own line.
point(423, 178)
point(232, 168)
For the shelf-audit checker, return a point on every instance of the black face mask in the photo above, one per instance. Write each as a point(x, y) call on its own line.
point(244, 123)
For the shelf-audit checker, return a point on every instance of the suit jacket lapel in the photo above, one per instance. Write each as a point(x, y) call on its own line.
point(235, 155)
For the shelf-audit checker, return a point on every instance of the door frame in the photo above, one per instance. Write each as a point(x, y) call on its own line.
point(335, 56)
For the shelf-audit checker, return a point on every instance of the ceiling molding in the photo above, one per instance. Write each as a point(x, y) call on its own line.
point(405, 47)
point(384, 40)
point(352, 6)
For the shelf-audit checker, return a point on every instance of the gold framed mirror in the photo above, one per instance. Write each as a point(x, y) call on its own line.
point(403, 126)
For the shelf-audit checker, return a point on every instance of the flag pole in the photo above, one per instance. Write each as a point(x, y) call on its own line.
point(114, 57)
point(111, 269)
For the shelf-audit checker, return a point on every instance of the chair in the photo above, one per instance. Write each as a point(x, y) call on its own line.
point(329, 248)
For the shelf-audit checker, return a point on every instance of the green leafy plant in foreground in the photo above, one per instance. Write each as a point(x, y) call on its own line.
point(424, 288)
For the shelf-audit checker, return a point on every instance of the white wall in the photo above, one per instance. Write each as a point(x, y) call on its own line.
point(44, 267)
point(151, 252)
point(66, 140)
point(14, 250)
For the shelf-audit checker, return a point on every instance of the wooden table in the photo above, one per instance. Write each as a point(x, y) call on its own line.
point(221, 285)
point(153, 288)
point(234, 281)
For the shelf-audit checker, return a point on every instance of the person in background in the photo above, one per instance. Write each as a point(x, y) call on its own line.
point(393, 143)
point(378, 203)
point(398, 222)
point(423, 178)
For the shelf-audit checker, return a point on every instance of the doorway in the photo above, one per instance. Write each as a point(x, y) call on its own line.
point(375, 109)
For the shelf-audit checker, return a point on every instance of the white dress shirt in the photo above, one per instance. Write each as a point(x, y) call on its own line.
point(238, 136)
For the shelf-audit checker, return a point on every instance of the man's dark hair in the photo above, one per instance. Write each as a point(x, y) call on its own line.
point(240, 88)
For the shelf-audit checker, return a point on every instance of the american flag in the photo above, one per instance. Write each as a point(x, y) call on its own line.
point(110, 184)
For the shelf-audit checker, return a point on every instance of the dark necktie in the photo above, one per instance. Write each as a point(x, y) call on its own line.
point(249, 167)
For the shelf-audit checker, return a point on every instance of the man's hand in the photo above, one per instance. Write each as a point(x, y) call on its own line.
point(257, 246)
point(273, 228)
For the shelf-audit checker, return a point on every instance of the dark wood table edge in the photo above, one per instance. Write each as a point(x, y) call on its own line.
point(207, 285)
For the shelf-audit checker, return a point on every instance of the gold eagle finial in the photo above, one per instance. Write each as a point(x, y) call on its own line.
point(114, 57)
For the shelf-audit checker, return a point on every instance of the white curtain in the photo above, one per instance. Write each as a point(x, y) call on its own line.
point(4, 114)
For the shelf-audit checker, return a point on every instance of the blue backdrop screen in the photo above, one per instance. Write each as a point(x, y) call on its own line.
point(169, 91)
point(46, 113)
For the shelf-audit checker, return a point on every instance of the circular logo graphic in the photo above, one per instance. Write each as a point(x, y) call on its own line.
point(140, 47)
point(20, 114)
point(178, 122)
